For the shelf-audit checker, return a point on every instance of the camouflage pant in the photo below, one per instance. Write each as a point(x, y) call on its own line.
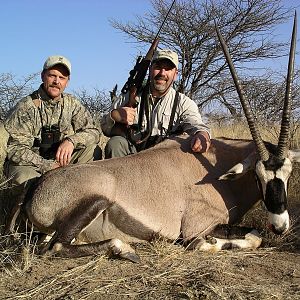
point(23, 174)
point(118, 146)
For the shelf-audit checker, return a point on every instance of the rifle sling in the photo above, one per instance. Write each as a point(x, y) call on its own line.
point(145, 109)
point(144, 99)
point(175, 103)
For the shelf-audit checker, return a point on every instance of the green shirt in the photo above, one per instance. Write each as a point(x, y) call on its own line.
point(25, 122)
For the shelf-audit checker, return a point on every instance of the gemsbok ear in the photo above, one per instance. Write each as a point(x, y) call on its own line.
point(241, 168)
point(294, 155)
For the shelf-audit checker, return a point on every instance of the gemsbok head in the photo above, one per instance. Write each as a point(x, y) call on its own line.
point(274, 165)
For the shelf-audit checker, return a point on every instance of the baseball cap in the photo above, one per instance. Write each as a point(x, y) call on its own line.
point(57, 60)
point(166, 54)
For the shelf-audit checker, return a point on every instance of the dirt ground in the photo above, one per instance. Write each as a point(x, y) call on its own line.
point(165, 272)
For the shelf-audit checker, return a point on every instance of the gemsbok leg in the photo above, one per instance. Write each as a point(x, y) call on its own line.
point(225, 237)
point(78, 220)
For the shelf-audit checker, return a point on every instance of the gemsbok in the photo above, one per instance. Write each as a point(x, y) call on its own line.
point(167, 191)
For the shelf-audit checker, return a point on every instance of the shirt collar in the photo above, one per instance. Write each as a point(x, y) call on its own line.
point(156, 100)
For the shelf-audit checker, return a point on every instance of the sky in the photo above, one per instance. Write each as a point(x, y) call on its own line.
point(101, 56)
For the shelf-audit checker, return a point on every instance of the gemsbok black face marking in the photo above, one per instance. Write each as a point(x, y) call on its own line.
point(273, 170)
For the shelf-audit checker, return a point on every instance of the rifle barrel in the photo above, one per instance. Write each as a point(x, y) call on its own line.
point(162, 24)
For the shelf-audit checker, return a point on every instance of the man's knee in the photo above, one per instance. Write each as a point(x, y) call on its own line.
point(118, 146)
point(87, 154)
point(20, 174)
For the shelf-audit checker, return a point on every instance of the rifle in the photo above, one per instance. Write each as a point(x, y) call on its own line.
point(137, 75)
point(135, 86)
point(134, 83)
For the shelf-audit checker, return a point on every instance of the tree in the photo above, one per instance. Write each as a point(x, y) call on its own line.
point(266, 97)
point(247, 26)
point(97, 103)
point(12, 90)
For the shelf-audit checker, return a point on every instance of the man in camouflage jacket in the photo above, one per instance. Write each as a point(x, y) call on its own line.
point(49, 111)
point(161, 99)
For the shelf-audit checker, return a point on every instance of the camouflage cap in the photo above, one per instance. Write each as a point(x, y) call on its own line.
point(166, 54)
point(57, 60)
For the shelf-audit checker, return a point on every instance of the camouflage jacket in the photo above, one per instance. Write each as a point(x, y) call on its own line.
point(25, 122)
point(187, 116)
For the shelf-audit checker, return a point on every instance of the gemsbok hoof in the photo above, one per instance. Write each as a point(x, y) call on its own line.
point(123, 250)
point(44, 250)
point(253, 238)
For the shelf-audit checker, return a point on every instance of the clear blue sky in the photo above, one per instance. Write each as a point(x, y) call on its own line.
point(31, 30)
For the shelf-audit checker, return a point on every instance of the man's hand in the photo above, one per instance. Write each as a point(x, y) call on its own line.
point(125, 115)
point(64, 153)
point(200, 142)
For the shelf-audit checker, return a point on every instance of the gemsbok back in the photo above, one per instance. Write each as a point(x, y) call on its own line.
point(168, 191)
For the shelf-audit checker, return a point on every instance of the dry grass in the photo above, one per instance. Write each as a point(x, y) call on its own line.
point(166, 270)
point(268, 133)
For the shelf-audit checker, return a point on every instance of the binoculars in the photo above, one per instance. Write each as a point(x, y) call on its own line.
point(49, 142)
